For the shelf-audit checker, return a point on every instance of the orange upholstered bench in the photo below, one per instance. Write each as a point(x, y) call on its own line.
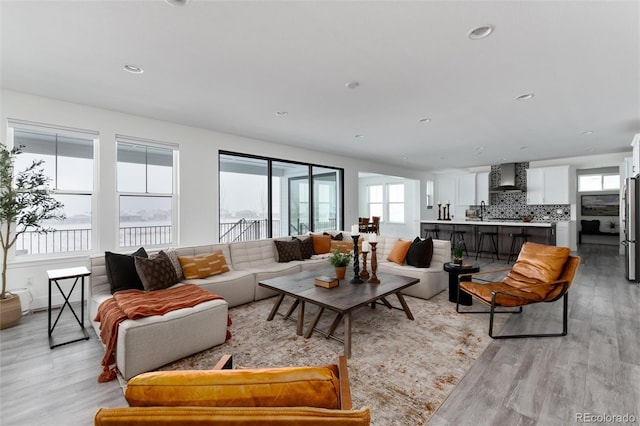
point(275, 396)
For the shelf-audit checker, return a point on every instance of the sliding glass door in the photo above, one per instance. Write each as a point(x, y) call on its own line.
point(262, 198)
point(326, 202)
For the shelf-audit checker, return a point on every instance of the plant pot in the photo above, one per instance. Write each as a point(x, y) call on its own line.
point(341, 271)
point(10, 311)
point(457, 261)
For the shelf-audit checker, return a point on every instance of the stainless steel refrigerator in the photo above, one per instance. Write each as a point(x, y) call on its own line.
point(630, 227)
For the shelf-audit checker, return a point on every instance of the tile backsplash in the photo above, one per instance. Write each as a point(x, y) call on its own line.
point(513, 205)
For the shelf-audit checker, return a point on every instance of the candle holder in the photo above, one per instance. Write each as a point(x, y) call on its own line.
point(448, 211)
point(364, 274)
point(374, 264)
point(439, 211)
point(356, 261)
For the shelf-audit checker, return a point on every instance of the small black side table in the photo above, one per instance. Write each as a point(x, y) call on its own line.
point(63, 274)
point(454, 271)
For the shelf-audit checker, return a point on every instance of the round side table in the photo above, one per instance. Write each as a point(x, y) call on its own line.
point(454, 271)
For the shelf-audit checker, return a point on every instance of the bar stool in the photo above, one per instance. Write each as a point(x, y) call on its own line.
point(493, 237)
point(432, 232)
point(517, 240)
point(457, 235)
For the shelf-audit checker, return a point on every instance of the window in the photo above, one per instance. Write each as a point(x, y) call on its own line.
point(396, 202)
point(376, 201)
point(145, 184)
point(263, 197)
point(68, 156)
point(598, 182)
point(387, 201)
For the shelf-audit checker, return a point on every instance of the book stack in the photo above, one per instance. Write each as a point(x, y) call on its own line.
point(326, 281)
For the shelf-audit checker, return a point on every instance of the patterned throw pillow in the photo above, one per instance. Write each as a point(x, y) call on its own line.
point(156, 272)
point(399, 252)
point(204, 265)
point(306, 247)
point(420, 253)
point(121, 270)
point(173, 256)
point(288, 250)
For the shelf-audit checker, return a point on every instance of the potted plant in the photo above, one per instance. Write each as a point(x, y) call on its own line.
point(340, 260)
point(612, 226)
point(458, 249)
point(25, 203)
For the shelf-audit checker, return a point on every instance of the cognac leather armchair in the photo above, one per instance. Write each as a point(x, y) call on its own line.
point(272, 396)
point(541, 274)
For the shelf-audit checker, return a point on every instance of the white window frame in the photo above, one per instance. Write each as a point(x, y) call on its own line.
point(389, 203)
point(385, 217)
point(602, 176)
point(175, 232)
point(381, 203)
point(49, 129)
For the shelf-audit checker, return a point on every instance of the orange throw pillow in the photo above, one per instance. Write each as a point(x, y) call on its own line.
point(321, 243)
point(203, 266)
point(399, 252)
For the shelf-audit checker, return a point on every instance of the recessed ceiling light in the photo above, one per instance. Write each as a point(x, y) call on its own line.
point(359, 136)
point(425, 120)
point(525, 97)
point(177, 2)
point(524, 147)
point(133, 69)
point(405, 158)
point(352, 84)
point(588, 132)
point(481, 32)
point(281, 113)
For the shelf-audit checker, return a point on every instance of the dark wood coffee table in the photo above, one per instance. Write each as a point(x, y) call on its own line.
point(342, 300)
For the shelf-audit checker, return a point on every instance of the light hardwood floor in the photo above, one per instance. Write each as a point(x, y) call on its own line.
point(595, 369)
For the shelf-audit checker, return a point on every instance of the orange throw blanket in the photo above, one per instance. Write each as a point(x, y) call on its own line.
point(134, 304)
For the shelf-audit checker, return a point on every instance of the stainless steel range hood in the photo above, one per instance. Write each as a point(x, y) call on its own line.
point(507, 182)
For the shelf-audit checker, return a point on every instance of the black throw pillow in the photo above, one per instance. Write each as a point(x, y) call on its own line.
point(337, 237)
point(306, 247)
point(420, 253)
point(288, 250)
point(121, 270)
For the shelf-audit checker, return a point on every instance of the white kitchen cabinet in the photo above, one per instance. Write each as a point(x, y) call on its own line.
point(535, 186)
point(556, 185)
point(466, 185)
point(482, 188)
point(548, 185)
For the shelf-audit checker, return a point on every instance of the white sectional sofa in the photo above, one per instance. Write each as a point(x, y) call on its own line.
point(148, 343)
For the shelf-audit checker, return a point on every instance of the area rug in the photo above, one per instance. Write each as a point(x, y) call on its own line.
point(402, 369)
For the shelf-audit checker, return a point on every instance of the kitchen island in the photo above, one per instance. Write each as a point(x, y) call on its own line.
point(538, 232)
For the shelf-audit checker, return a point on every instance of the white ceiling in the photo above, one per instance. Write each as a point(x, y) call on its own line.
point(230, 66)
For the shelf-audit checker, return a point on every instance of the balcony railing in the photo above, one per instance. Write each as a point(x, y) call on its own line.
point(79, 239)
point(145, 235)
point(256, 229)
point(57, 241)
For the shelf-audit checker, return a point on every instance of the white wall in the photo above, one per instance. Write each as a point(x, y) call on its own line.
point(198, 175)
